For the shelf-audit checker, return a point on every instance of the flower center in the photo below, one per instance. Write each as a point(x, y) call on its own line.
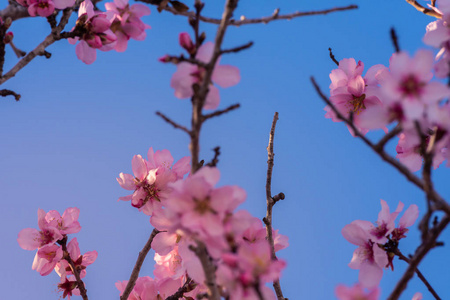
point(410, 86)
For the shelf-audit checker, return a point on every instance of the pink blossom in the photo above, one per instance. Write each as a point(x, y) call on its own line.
point(369, 258)
point(417, 296)
point(186, 42)
point(46, 259)
point(188, 74)
point(96, 33)
point(151, 179)
point(43, 8)
point(197, 207)
point(353, 94)
point(356, 292)
point(68, 286)
point(31, 239)
point(407, 220)
point(126, 22)
point(68, 223)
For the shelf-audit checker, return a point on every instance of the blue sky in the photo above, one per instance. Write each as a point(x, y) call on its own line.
point(78, 126)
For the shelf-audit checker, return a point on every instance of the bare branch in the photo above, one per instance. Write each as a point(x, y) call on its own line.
point(275, 16)
point(174, 124)
point(386, 138)
point(271, 202)
point(221, 112)
point(237, 49)
point(332, 57)
point(394, 39)
point(215, 160)
point(14, 11)
point(419, 274)
point(424, 10)
point(421, 251)
point(6, 92)
point(137, 267)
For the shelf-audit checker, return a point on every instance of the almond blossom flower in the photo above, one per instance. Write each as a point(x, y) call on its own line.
point(151, 179)
point(188, 74)
point(126, 22)
point(68, 286)
point(46, 259)
point(353, 94)
point(31, 239)
point(96, 33)
point(356, 292)
point(68, 223)
point(369, 258)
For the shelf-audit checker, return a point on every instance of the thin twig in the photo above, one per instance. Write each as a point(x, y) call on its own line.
point(137, 267)
point(421, 251)
point(439, 201)
point(332, 57)
point(419, 274)
point(394, 39)
point(424, 10)
point(265, 20)
point(271, 202)
point(237, 49)
point(215, 160)
point(174, 124)
point(221, 112)
point(387, 137)
point(80, 283)
point(6, 92)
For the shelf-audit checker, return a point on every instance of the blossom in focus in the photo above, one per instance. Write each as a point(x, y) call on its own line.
point(67, 223)
point(96, 33)
point(45, 8)
point(80, 261)
point(126, 22)
point(46, 259)
point(31, 239)
point(353, 94)
point(356, 292)
point(188, 74)
point(151, 179)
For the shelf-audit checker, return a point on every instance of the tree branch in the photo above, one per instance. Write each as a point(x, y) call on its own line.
point(419, 274)
point(421, 251)
point(275, 16)
point(271, 202)
point(80, 283)
point(221, 112)
point(437, 199)
point(173, 123)
point(137, 267)
point(6, 92)
point(209, 268)
point(424, 10)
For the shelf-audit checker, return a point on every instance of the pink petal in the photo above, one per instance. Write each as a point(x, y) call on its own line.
point(85, 53)
point(409, 217)
point(139, 167)
point(28, 239)
point(370, 275)
point(205, 52)
point(126, 181)
point(226, 76)
point(212, 99)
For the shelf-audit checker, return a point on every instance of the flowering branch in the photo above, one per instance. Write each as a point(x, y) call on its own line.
point(187, 286)
point(424, 10)
point(265, 20)
point(439, 201)
point(80, 283)
point(137, 267)
point(419, 274)
point(271, 202)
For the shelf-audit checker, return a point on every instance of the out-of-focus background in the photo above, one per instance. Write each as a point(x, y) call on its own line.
point(77, 127)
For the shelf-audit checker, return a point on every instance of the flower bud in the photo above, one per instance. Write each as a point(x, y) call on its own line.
point(186, 42)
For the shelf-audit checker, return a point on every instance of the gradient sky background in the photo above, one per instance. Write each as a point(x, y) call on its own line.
point(78, 126)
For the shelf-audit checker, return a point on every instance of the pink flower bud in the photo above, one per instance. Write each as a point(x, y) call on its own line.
point(164, 59)
point(186, 42)
point(8, 37)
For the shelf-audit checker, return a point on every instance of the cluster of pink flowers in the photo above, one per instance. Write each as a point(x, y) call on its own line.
point(108, 31)
point(188, 74)
point(378, 243)
point(53, 250)
point(191, 212)
point(402, 93)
